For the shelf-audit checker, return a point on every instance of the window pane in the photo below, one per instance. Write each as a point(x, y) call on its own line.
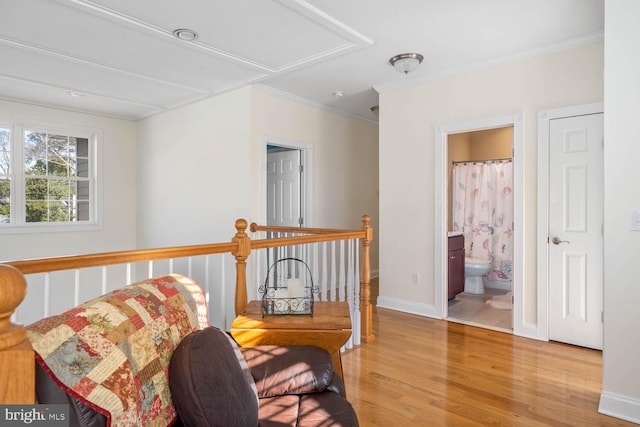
point(82, 158)
point(73, 147)
point(36, 189)
point(58, 156)
point(82, 190)
point(5, 200)
point(83, 147)
point(35, 153)
point(82, 211)
point(59, 190)
point(5, 150)
point(73, 166)
point(36, 192)
point(37, 211)
point(59, 211)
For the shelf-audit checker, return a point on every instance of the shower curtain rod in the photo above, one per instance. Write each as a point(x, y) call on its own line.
point(471, 162)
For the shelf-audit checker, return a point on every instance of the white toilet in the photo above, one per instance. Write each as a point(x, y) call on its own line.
point(474, 269)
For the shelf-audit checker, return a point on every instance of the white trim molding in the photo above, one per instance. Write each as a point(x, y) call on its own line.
point(616, 405)
point(520, 326)
point(407, 306)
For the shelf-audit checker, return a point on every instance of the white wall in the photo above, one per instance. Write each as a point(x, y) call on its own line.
point(621, 370)
point(118, 165)
point(408, 118)
point(194, 172)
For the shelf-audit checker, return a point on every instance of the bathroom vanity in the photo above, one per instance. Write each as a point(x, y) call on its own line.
point(456, 264)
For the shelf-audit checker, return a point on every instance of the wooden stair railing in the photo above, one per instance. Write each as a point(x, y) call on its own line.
point(17, 369)
point(17, 361)
point(366, 309)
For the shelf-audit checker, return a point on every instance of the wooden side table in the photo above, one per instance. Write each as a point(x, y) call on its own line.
point(328, 328)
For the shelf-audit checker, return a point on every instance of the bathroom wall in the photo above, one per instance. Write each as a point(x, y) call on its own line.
point(481, 145)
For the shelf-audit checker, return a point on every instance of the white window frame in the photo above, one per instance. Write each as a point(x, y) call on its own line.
point(17, 176)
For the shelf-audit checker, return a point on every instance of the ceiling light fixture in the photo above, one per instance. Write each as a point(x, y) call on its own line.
point(406, 62)
point(186, 35)
point(338, 93)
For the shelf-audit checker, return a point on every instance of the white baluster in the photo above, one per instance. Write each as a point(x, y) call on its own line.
point(342, 283)
point(76, 288)
point(349, 286)
point(333, 282)
point(323, 290)
point(47, 294)
point(355, 317)
point(103, 289)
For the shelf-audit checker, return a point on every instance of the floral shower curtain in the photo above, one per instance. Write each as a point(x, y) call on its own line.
point(483, 211)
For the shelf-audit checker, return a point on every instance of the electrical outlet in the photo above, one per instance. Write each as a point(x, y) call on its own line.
point(416, 278)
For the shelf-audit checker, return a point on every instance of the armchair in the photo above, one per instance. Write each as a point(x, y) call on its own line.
point(144, 355)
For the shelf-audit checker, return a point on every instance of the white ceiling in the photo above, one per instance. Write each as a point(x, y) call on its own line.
point(120, 58)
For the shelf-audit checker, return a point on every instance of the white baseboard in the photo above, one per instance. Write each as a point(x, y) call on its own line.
point(529, 330)
point(623, 407)
point(407, 306)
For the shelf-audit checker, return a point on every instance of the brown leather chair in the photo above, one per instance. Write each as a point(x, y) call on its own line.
point(263, 385)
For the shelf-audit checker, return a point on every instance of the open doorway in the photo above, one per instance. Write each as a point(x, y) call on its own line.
point(284, 187)
point(286, 177)
point(519, 325)
point(480, 227)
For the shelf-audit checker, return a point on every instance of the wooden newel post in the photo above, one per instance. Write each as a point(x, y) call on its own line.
point(244, 249)
point(17, 362)
point(366, 309)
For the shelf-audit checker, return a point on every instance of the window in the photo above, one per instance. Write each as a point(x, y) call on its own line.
point(47, 178)
point(5, 181)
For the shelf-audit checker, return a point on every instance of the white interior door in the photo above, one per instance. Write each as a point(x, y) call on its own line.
point(283, 188)
point(575, 236)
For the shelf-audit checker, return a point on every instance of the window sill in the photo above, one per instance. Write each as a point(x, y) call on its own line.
point(49, 228)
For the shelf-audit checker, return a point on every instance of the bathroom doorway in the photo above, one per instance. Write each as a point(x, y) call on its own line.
point(521, 326)
point(480, 216)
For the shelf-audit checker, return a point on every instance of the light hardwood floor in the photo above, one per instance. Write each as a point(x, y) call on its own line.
point(426, 372)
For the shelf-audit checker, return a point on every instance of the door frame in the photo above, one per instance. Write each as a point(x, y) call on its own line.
point(544, 120)
point(306, 184)
point(520, 327)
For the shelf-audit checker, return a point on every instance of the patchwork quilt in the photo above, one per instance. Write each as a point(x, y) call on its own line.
point(112, 353)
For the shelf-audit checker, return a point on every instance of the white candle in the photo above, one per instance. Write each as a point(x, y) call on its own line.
point(281, 293)
point(296, 289)
point(282, 301)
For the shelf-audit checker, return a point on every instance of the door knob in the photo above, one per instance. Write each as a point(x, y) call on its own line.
point(557, 241)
